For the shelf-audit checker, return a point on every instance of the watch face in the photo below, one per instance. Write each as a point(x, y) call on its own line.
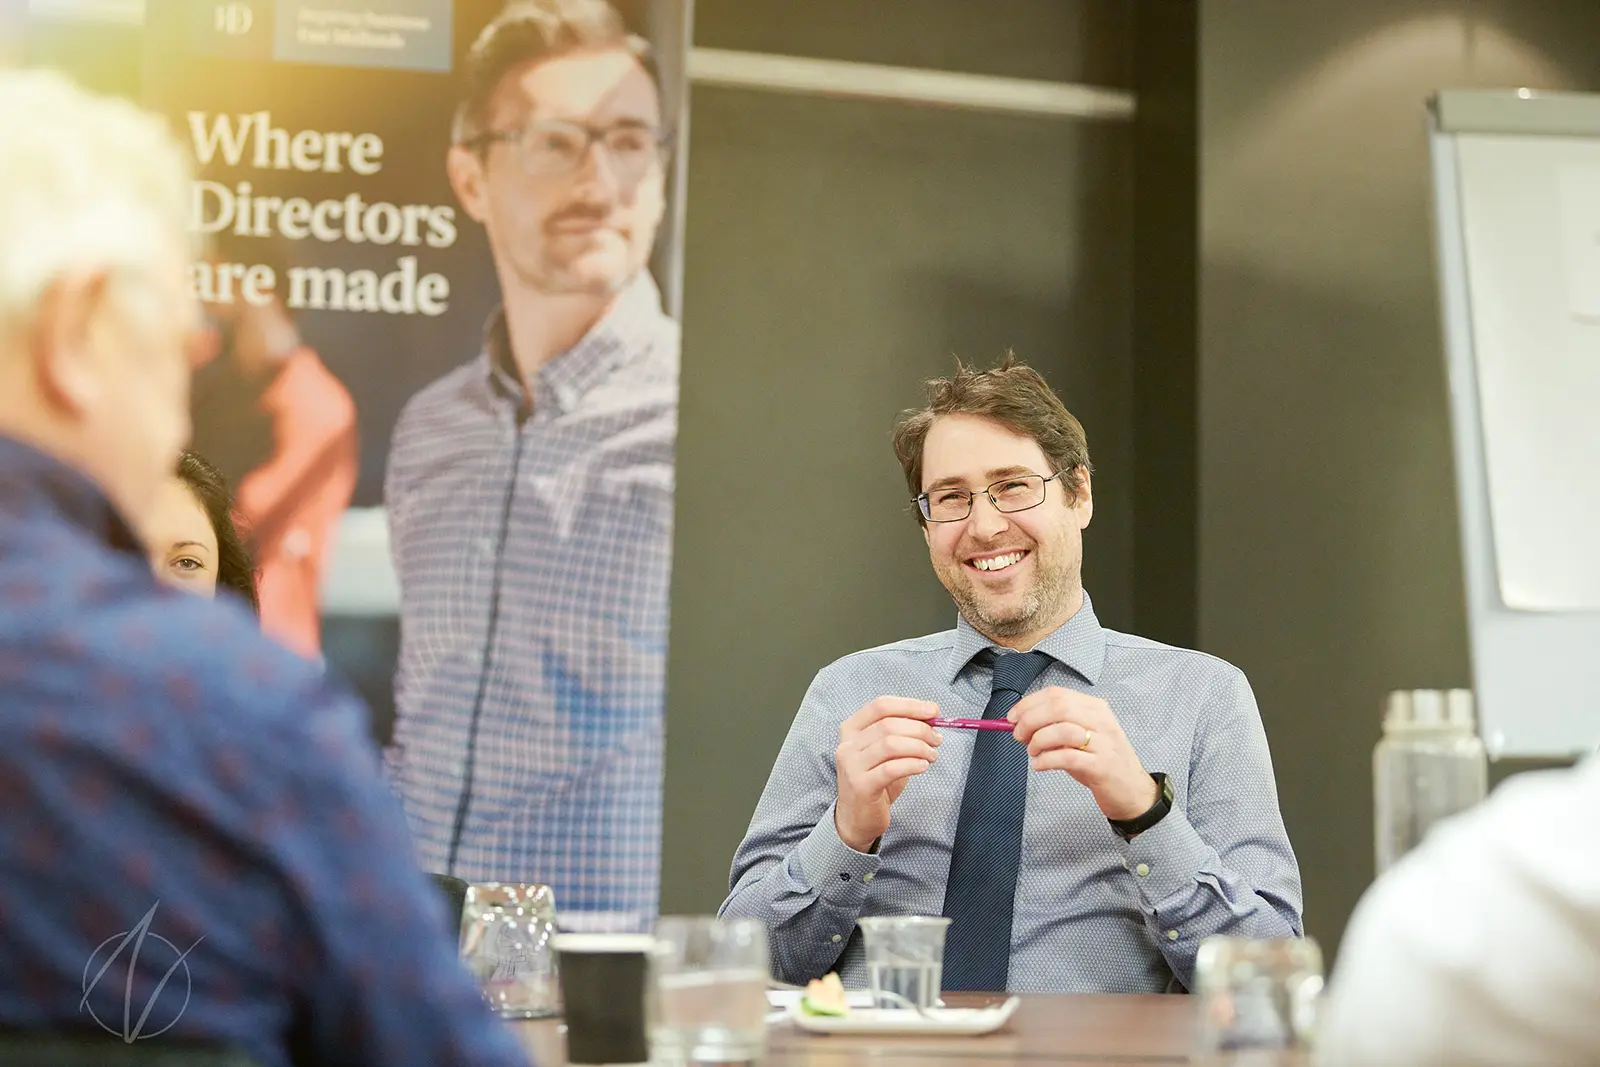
point(1165, 784)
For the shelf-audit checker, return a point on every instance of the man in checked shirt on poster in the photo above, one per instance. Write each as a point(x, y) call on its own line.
point(529, 491)
point(1127, 814)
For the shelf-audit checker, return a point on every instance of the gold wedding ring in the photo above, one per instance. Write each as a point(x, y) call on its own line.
point(1088, 735)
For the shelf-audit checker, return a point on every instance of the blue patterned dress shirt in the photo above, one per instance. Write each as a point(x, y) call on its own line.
point(165, 768)
point(533, 543)
point(1093, 913)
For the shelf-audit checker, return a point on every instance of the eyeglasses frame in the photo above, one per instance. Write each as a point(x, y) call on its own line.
point(593, 135)
point(924, 505)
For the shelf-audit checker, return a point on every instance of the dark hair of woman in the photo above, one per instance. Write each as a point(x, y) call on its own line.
point(236, 569)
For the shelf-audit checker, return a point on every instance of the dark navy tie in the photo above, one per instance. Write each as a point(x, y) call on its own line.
point(982, 888)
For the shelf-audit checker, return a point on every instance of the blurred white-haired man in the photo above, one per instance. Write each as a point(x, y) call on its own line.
point(95, 311)
point(1482, 947)
point(195, 840)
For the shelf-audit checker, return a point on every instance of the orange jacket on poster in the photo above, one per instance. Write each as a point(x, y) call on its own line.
point(292, 502)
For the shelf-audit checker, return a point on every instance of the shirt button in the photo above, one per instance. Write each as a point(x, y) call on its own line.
point(835, 939)
point(486, 546)
point(1172, 935)
point(868, 876)
point(1142, 870)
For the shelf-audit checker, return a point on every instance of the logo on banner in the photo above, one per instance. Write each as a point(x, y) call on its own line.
point(234, 18)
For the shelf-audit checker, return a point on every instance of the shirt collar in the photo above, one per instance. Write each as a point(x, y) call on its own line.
point(36, 485)
point(1079, 644)
point(622, 334)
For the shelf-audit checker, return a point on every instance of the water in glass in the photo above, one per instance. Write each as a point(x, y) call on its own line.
point(905, 959)
point(709, 1001)
point(910, 984)
point(1257, 1000)
point(717, 1016)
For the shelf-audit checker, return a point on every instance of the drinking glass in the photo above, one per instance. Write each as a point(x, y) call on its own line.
point(905, 959)
point(505, 942)
point(1257, 1000)
point(709, 990)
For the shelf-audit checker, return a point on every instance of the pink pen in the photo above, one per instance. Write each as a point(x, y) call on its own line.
point(974, 724)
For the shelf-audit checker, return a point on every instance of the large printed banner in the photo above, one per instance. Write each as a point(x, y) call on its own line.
point(441, 273)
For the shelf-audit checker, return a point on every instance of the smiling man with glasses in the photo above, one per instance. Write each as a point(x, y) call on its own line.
point(1127, 814)
point(529, 491)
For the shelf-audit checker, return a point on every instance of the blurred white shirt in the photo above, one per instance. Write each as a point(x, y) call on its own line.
point(1483, 945)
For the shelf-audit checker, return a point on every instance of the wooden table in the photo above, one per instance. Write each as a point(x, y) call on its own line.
point(1110, 1031)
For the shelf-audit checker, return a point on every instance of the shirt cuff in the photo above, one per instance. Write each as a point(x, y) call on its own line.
point(836, 871)
point(1166, 858)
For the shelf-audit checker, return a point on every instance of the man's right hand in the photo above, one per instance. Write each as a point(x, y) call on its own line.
point(880, 747)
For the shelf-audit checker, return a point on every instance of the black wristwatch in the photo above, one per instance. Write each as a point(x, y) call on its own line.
point(1127, 829)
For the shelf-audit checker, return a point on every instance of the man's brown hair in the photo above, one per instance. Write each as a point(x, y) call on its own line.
point(527, 31)
point(1012, 394)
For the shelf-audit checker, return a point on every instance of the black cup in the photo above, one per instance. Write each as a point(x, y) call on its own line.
point(603, 983)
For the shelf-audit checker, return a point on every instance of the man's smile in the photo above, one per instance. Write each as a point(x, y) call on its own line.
point(990, 562)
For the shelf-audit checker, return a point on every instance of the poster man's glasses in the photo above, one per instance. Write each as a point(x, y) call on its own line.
point(552, 148)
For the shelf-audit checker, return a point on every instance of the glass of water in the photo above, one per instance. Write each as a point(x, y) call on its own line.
point(709, 990)
point(505, 942)
point(1257, 1000)
point(905, 959)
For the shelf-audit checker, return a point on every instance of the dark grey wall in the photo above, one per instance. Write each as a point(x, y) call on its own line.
point(1329, 558)
point(837, 253)
point(1166, 251)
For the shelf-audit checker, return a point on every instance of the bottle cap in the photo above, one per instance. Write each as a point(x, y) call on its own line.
point(1430, 709)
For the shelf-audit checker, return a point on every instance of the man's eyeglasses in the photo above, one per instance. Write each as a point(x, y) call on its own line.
point(551, 148)
point(1016, 493)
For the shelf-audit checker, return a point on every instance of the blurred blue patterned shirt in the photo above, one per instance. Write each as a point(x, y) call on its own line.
point(533, 545)
point(1094, 913)
point(167, 770)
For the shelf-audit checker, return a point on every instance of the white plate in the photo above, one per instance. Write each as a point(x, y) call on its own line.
point(953, 1021)
point(784, 999)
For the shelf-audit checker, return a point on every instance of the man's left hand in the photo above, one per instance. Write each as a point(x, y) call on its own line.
point(1070, 731)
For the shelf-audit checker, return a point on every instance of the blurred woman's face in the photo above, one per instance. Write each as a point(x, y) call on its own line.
point(183, 546)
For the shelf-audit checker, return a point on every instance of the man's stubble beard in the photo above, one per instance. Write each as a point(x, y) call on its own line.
point(1052, 587)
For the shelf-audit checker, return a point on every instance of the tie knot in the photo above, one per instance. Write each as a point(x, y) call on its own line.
point(1015, 671)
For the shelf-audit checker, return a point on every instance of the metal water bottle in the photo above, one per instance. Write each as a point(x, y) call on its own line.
point(1429, 765)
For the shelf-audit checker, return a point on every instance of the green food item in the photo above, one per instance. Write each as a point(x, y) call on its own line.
point(812, 1007)
point(825, 996)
